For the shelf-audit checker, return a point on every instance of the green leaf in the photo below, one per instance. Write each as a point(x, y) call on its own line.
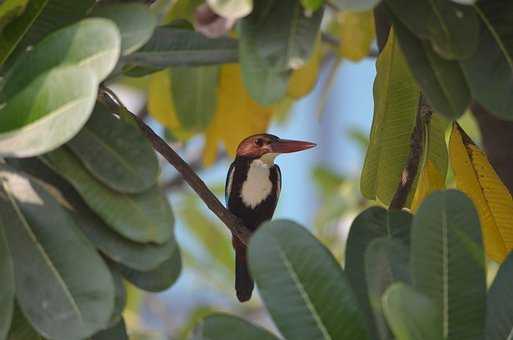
point(232, 9)
point(135, 22)
point(411, 315)
point(312, 5)
point(452, 29)
point(275, 38)
point(10, 9)
point(355, 5)
point(139, 256)
point(158, 279)
point(386, 262)
point(6, 283)
point(195, 95)
point(74, 294)
point(396, 99)
point(91, 44)
point(442, 81)
point(302, 285)
point(21, 329)
point(11, 35)
point(373, 223)
point(447, 262)
point(227, 327)
point(145, 217)
point(116, 332)
point(490, 71)
point(116, 153)
point(173, 46)
point(119, 298)
point(499, 303)
point(48, 112)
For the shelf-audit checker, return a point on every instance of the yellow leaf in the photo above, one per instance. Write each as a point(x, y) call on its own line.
point(356, 34)
point(237, 115)
point(304, 79)
point(160, 104)
point(430, 180)
point(476, 177)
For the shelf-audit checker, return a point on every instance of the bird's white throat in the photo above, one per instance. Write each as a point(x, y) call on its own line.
point(258, 185)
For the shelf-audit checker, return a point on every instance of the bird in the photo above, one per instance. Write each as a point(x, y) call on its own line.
point(253, 185)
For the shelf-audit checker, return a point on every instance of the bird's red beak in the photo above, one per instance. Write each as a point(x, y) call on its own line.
point(287, 146)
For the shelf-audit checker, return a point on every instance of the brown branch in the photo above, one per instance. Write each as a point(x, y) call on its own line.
point(231, 221)
point(411, 168)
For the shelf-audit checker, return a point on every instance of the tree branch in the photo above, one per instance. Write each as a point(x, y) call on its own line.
point(411, 168)
point(230, 220)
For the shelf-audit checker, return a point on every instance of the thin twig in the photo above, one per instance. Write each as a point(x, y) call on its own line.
point(231, 221)
point(412, 166)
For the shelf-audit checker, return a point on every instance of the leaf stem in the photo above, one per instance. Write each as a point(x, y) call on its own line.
point(231, 221)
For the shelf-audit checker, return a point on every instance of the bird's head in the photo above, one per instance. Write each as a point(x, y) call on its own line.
point(267, 147)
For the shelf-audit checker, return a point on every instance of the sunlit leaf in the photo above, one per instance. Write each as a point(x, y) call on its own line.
point(135, 23)
point(237, 115)
point(46, 246)
point(411, 315)
point(10, 9)
point(396, 99)
point(355, 5)
point(233, 9)
point(430, 180)
point(302, 285)
point(63, 97)
point(116, 153)
point(145, 217)
point(91, 44)
point(356, 34)
point(476, 177)
point(182, 9)
point(312, 5)
point(447, 262)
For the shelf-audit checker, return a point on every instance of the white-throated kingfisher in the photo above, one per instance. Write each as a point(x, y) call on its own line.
point(252, 189)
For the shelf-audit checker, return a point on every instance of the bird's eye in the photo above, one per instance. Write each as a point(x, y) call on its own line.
point(259, 142)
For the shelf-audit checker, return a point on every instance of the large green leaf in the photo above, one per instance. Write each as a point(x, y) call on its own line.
point(119, 298)
point(227, 327)
point(48, 112)
point(135, 22)
point(195, 95)
point(386, 262)
point(447, 262)
point(411, 315)
point(11, 35)
point(490, 70)
point(396, 99)
point(158, 279)
point(174, 46)
point(355, 5)
point(442, 81)
point(116, 332)
point(62, 284)
point(139, 256)
point(499, 304)
point(231, 8)
point(275, 38)
point(302, 285)
point(145, 217)
point(452, 29)
point(6, 283)
point(373, 223)
point(21, 329)
point(91, 43)
point(10, 10)
point(116, 153)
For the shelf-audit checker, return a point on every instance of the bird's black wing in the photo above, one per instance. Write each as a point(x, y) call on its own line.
point(228, 184)
point(278, 189)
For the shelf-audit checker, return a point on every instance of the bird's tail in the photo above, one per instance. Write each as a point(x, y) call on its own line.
point(243, 281)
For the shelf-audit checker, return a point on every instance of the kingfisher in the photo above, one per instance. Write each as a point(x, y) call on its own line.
point(252, 189)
